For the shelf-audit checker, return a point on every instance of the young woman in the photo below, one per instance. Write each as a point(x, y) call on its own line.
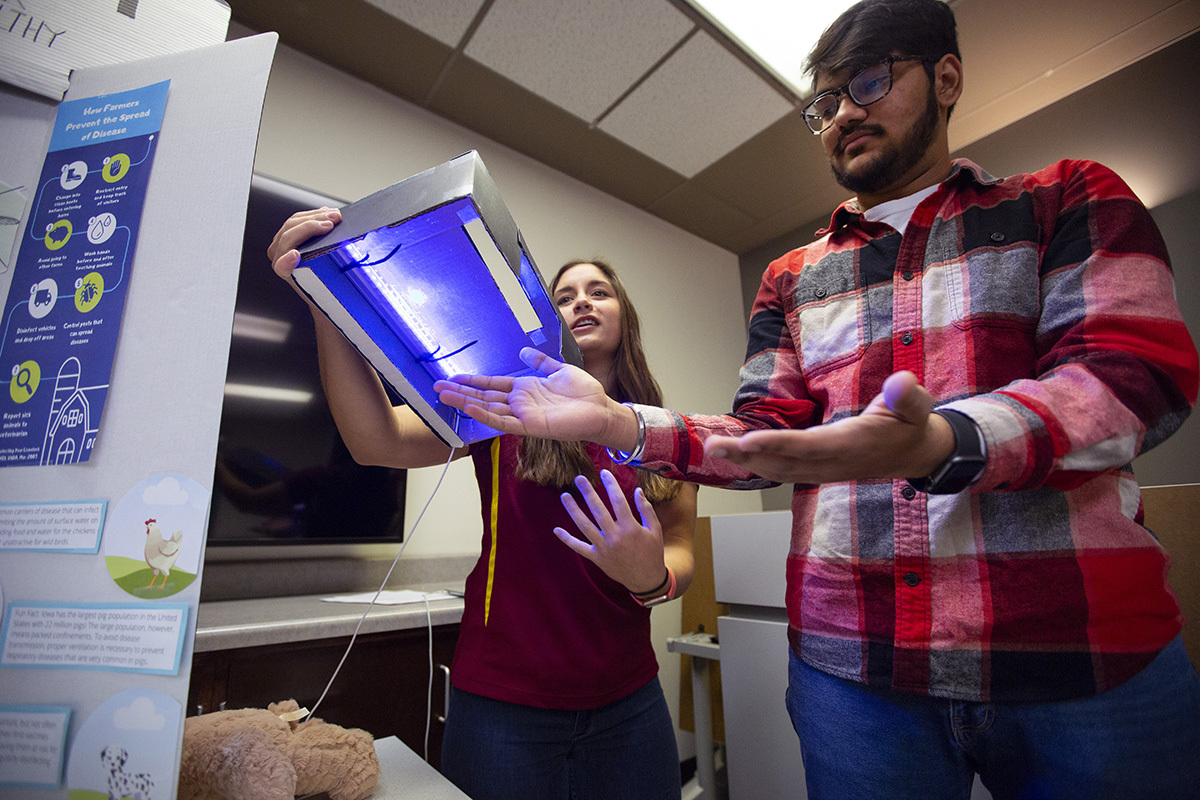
point(554, 682)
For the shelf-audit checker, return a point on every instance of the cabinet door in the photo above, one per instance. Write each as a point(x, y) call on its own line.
point(761, 749)
point(383, 687)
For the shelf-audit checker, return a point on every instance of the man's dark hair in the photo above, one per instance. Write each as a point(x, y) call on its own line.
point(872, 29)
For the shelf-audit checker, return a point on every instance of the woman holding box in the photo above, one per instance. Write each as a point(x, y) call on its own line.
point(555, 691)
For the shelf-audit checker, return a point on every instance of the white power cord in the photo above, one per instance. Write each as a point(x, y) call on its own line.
point(428, 614)
point(429, 690)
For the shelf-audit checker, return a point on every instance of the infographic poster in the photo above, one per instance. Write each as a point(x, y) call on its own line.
point(58, 336)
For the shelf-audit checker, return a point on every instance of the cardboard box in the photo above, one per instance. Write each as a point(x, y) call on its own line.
point(430, 278)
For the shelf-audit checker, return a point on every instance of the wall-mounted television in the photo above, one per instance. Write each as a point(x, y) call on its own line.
point(283, 475)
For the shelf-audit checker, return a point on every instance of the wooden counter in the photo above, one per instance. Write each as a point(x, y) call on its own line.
point(249, 653)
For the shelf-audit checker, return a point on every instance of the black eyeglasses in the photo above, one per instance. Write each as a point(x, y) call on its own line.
point(869, 86)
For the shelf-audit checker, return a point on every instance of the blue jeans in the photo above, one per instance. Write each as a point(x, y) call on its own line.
point(1138, 740)
point(494, 750)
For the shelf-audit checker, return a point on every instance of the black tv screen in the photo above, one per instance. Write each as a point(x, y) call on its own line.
point(283, 475)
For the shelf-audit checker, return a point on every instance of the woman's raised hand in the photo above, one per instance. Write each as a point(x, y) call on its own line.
point(560, 402)
point(629, 549)
point(299, 228)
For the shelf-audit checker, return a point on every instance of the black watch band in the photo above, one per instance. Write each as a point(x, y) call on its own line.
point(965, 463)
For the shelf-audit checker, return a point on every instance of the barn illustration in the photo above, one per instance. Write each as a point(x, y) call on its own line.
point(71, 430)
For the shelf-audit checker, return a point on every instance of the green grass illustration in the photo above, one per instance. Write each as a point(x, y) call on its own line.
point(134, 577)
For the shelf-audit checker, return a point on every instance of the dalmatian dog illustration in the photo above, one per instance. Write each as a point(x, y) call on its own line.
point(122, 784)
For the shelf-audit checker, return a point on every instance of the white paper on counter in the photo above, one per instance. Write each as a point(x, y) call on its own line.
point(391, 597)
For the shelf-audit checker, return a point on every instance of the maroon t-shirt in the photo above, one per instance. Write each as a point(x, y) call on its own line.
point(543, 626)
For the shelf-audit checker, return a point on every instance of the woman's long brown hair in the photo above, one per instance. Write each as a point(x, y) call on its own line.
point(553, 463)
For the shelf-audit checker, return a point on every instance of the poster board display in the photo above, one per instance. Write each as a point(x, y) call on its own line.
point(102, 560)
point(82, 234)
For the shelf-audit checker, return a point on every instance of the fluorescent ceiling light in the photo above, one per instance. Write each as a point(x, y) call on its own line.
point(251, 326)
point(273, 393)
point(777, 33)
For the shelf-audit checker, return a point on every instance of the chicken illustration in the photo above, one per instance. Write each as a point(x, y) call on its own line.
point(161, 553)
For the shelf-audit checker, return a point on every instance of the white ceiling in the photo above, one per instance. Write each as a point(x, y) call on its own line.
point(447, 21)
point(582, 56)
point(724, 105)
point(655, 76)
point(653, 103)
point(641, 71)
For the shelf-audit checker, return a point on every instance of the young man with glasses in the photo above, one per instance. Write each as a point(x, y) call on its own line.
point(955, 377)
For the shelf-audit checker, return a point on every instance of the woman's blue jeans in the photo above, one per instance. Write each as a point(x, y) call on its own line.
point(626, 750)
point(1138, 740)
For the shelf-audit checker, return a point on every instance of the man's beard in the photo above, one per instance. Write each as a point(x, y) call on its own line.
point(894, 161)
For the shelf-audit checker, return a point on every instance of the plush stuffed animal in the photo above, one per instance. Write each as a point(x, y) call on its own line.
point(265, 754)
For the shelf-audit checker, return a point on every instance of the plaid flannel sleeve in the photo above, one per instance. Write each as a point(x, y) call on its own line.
point(772, 394)
point(1117, 368)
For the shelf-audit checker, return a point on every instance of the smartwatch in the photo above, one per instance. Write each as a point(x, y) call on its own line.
point(966, 461)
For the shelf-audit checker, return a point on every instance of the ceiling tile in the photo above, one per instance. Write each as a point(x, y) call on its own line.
point(696, 107)
point(668, 146)
point(445, 20)
point(355, 37)
point(474, 96)
point(782, 165)
point(694, 210)
point(582, 55)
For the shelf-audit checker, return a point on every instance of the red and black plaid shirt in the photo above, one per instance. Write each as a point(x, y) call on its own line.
point(1042, 307)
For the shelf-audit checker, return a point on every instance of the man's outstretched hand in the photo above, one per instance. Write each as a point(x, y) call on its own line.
point(896, 436)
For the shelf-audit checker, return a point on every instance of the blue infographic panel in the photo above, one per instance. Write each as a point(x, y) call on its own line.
point(33, 741)
point(112, 637)
point(59, 332)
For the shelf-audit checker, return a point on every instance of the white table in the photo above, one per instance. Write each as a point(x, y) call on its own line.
point(404, 775)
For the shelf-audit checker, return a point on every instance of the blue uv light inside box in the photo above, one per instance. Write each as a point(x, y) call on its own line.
point(437, 293)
